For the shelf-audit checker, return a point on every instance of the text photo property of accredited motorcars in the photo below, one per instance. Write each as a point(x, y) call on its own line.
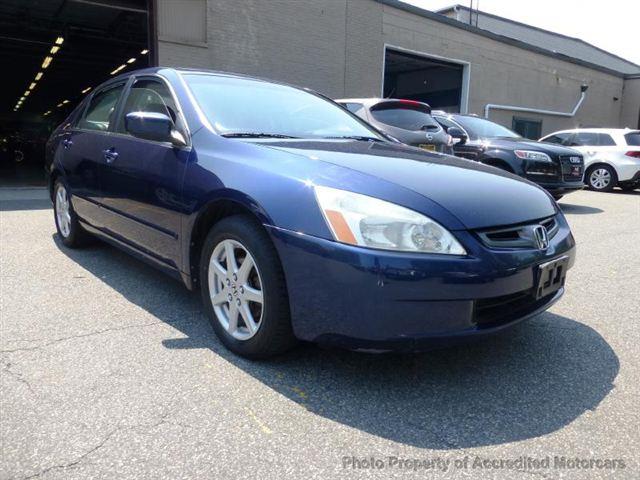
point(300, 221)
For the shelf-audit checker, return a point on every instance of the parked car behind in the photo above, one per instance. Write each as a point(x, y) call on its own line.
point(557, 169)
point(297, 220)
point(408, 121)
point(611, 155)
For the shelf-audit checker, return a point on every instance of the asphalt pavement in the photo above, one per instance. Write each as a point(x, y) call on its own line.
point(109, 369)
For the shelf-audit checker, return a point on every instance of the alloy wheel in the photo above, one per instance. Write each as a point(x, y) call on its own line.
point(63, 211)
point(235, 288)
point(600, 178)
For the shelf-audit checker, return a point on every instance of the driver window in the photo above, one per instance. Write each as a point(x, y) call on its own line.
point(149, 96)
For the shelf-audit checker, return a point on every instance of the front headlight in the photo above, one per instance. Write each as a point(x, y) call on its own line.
point(532, 155)
point(369, 222)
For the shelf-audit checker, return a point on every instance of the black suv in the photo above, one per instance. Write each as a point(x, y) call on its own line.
point(557, 169)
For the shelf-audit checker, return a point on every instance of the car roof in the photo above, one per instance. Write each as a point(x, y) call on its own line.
point(595, 130)
point(369, 102)
point(159, 70)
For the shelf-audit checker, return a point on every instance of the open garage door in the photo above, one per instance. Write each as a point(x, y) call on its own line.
point(54, 52)
point(436, 82)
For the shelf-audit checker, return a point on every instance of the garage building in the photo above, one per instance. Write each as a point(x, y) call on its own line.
point(58, 50)
point(362, 48)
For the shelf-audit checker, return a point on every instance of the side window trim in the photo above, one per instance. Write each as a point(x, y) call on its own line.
point(182, 125)
point(104, 88)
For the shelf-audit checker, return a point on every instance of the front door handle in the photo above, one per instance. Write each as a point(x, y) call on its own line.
point(66, 143)
point(110, 155)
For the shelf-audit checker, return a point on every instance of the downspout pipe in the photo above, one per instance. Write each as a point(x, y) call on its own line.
point(493, 106)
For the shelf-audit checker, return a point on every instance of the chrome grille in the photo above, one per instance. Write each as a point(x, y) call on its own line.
point(568, 163)
point(518, 236)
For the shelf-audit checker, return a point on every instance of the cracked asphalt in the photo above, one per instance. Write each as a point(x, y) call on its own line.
point(108, 369)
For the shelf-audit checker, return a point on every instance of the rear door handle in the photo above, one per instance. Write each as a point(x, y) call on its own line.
point(110, 155)
point(66, 143)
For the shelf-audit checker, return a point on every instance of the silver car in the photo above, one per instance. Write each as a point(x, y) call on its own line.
point(408, 121)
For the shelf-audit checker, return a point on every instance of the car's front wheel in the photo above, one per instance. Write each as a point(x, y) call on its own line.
point(69, 229)
point(602, 178)
point(244, 290)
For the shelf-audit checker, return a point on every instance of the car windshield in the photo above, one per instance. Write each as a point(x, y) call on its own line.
point(481, 128)
point(247, 108)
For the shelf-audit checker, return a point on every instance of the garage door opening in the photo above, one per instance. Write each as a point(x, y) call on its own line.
point(55, 52)
point(436, 82)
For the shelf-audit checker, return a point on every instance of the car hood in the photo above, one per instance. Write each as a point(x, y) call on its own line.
point(524, 144)
point(479, 196)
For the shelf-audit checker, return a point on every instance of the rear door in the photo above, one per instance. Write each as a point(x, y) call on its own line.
point(142, 179)
point(595, 146)
point(82, 152)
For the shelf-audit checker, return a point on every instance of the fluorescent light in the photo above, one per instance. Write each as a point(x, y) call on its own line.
point(32, 86)
point(86, 90)
point(39, 76)
point(118, 69)
point(22, 98)
point(131, 60)
point(65, 101)
point(46, 62)
point(26, 94)
point(47, 113)
point(59, 105)
point(59, 40)
point(144, 52)
point(54, 50)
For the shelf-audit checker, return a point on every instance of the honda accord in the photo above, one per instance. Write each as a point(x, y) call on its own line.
point(297, 220)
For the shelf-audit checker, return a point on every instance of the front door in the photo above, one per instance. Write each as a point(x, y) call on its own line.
point(142, 179)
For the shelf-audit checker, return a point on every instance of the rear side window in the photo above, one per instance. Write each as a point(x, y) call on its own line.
point(605, 140)
point(101, 109)
point(584, 139)
point(633, 139)
point(405, 118)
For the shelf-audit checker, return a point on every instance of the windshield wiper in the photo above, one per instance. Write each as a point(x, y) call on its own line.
point(360, 138)
point(255, 135)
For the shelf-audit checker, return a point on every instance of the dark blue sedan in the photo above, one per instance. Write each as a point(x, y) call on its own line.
point(297, 220)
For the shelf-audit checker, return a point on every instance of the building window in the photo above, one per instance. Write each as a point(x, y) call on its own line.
point(183, 21)
point(527, 128)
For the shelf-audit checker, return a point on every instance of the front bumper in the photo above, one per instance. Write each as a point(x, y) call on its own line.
point(561, 188)
point(366, 299)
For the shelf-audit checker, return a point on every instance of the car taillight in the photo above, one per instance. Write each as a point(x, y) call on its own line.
point(634, 154)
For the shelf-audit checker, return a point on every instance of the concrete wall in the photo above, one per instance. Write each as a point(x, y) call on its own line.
point(337, 48)
point(630, 114)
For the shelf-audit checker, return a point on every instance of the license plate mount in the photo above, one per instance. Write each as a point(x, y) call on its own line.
point(551, 276)
point(428, 146)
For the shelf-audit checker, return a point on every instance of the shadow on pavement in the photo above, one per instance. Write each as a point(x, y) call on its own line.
point(26, 204)
point(578, 209)
point(533, 380)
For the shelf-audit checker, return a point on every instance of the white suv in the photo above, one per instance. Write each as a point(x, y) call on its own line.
point(611, 155)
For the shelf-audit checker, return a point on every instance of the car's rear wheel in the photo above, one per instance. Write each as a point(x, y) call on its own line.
point(69, 229)
point(244, 290)
point(602, 178)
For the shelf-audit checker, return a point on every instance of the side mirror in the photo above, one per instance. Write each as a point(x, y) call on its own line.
point(458, 135)
point(153, 126)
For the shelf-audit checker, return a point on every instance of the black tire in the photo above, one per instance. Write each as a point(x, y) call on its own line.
point(597, 187)
point(75, 236)
point(274, 334)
